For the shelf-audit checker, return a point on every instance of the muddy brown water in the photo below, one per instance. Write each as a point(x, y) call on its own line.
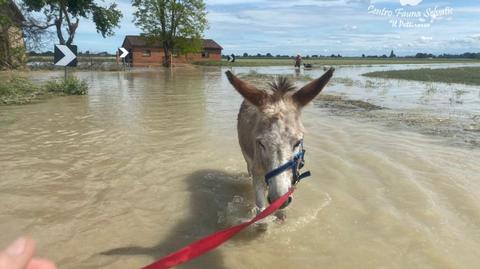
point(149, 161)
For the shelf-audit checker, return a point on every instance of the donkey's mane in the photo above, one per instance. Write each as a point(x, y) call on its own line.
point(281, 85)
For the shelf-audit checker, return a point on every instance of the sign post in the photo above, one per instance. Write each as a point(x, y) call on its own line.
point(123, 54)
point(65, 55)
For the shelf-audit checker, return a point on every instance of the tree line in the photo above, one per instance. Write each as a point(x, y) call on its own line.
point(466, 55)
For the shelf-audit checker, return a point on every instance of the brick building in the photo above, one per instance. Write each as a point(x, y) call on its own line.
point(147, 54)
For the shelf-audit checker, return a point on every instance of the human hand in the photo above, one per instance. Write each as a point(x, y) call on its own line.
point(19, 255)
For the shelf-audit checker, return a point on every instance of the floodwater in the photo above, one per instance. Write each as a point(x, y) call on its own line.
point(149, 161)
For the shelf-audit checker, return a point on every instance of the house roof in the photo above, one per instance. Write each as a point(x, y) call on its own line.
point(211, 44)
point(140, 41)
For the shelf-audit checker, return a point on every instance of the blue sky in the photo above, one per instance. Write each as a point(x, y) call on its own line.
point(321, 27)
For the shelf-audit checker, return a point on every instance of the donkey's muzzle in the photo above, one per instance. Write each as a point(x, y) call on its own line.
point(290, 199)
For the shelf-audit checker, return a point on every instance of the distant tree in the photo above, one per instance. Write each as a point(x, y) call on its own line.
point(468, 55)
point(245, 54)
point(176, 24)
point(363, 55)
point(333, 56)
point(269, 55)
point(392, 55)
point(424, 55)
point(384, 56)
point(65, 16)
point(259, 55)
point(339, 56)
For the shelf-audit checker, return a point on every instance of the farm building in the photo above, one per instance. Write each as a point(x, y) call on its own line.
point(12, 45)
point(145, 54)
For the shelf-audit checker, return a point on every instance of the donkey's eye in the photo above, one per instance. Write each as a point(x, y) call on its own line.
point(261, 145)
point(297, 144)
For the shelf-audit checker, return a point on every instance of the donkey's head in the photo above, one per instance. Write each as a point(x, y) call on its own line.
point(278, 133)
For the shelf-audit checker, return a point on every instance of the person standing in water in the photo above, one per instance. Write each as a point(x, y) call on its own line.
point(298, 61)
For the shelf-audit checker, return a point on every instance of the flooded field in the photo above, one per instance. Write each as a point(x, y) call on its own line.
point(149, 161)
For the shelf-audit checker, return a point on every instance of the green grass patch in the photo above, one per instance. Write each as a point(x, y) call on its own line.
point(320, 62)
point(462, 75)
point(70, 86)
point(19, 90)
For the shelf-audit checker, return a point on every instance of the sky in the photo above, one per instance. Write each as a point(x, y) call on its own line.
point(323, 27)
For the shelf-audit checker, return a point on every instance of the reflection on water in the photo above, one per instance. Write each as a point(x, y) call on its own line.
point(149, 161)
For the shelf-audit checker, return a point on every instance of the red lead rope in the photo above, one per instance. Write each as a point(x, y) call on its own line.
point(212, 241)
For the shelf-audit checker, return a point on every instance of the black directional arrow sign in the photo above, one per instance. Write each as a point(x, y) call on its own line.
point(231, 58)
point(65, 55)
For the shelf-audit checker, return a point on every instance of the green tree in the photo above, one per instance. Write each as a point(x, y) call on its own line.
point(65, 16)
point(176, 24)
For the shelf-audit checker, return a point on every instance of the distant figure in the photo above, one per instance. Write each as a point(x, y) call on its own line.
point(297, 72)
point(298, 61)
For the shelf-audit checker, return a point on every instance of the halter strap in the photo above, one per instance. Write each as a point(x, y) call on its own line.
point(295, 164)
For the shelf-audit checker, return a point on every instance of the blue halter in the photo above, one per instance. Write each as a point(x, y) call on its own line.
point(295, 164)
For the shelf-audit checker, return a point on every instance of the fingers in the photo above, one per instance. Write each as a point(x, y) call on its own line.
point(18, 254)
point(41, 264)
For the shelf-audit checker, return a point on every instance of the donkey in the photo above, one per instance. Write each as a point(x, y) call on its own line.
point(270, 131)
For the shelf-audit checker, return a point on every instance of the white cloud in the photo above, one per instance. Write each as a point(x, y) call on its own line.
point(425, 39)
point(476, 36)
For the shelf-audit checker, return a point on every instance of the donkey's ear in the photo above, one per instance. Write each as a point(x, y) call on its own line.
point(306, 94)
point(249, 92)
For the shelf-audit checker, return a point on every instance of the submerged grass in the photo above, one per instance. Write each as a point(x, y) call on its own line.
point(19, 90)
point(462, 75)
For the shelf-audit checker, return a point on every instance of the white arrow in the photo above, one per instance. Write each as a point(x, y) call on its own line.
point(68, 55)
point(124, 53)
